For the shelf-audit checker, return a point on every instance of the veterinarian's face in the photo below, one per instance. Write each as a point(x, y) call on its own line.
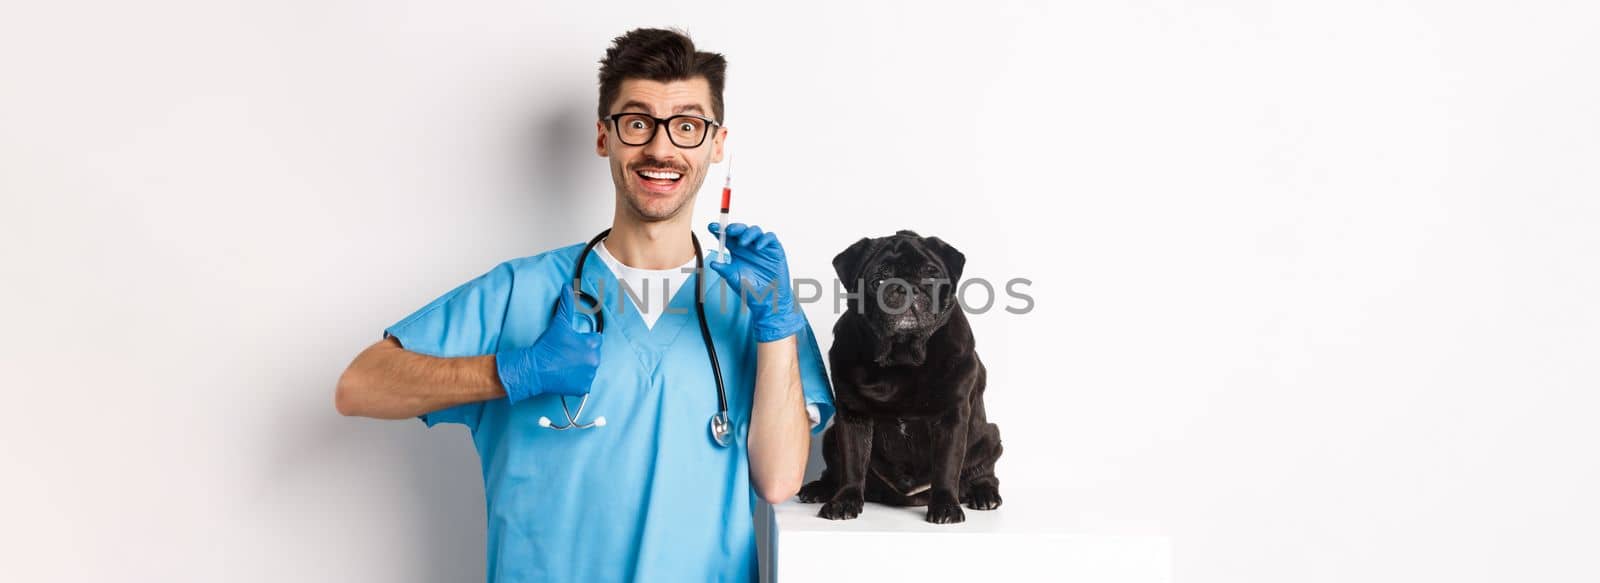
point(914, 298)
point(677, 171)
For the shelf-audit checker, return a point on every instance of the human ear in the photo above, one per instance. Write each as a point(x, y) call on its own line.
point(717, 143)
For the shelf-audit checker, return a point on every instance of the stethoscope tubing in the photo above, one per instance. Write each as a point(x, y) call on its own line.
point(599, 326)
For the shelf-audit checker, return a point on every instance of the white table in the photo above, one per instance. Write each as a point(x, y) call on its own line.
point(1024, 540)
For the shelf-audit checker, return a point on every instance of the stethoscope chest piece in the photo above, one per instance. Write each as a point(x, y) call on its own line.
point(721, 429)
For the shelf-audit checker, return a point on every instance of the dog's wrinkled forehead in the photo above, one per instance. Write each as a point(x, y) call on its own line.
point(904, 256)
point(905, 251)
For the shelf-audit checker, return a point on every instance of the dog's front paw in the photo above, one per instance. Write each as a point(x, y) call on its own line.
point(945, 513)
point(983, 498)
point(815, 492)
point(841, 508)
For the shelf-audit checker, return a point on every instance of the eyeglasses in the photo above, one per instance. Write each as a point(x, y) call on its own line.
point(637, 129)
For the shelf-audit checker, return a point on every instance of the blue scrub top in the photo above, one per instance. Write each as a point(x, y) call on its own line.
point(649, 496)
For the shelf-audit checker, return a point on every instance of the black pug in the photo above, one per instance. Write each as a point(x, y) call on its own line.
point(909, 429)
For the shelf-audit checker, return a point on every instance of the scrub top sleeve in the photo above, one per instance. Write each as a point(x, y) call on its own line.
point(814, 378)
point(465, 321)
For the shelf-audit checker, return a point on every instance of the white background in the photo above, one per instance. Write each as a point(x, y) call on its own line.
point(1314, 281)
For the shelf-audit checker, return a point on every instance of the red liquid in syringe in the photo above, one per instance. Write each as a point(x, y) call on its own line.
point(722, 219)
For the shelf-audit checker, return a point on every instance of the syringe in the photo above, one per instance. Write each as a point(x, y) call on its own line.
point(722, 220)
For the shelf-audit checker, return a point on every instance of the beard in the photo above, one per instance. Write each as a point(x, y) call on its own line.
point(651, 208)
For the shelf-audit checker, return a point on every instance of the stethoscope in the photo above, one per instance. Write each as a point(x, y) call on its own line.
point(721, 428)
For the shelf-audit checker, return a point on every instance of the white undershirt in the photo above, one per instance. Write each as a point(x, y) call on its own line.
point(663, 284)
point(655, 287)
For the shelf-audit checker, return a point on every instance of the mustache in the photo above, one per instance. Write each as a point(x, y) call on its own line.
point(658, 165)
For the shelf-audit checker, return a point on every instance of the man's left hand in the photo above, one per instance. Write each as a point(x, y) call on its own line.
point(759, 272)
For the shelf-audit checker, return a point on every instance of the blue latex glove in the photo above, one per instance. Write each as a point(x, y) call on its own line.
point(758, 263)
point(562, 361)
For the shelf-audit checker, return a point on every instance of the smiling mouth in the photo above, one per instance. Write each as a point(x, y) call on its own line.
point(659, 180)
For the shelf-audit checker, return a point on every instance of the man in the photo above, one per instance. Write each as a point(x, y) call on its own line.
point(649, 495)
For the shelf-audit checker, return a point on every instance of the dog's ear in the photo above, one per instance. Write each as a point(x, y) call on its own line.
point(953, 259)
point(847, 264)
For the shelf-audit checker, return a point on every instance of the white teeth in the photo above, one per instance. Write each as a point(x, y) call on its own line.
point(661, 175)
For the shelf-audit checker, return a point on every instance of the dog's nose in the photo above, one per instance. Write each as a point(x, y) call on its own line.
point(896, 297)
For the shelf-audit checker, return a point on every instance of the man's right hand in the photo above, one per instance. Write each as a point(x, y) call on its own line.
point(562, 361)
